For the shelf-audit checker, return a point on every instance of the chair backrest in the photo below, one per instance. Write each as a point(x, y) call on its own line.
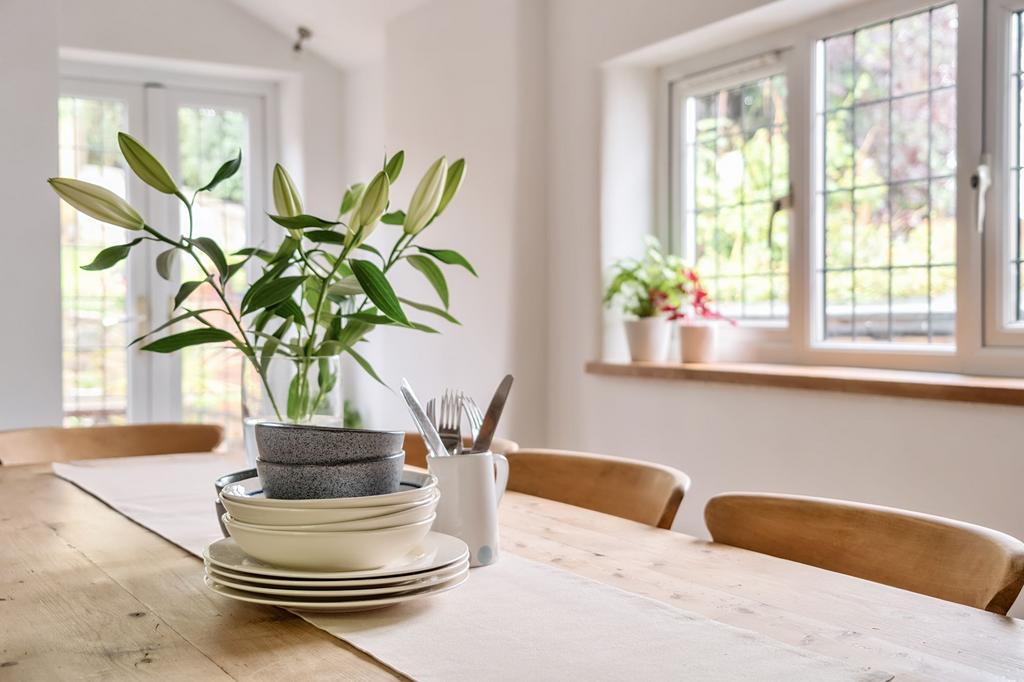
point(416, 449)
point(632, 489)
point(26, 446)
point(931, 555)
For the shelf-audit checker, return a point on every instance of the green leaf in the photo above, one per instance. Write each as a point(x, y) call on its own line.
point(287, 248)
point(111, 256)
point(423, 328)
point(371, 249)
point(298, 396)
point(394, 166)
point(301, 221)
point(262, 254)
point(289, 308)
point(367, 367)
point(271, 345)
point(227, 169)
point(347, 286)
point(393, 218)
point(173, 320)
point(192, 337)
point(211, 249)
point(353, 332)
point(324, 236)
point(352, 195)
point(370, 318)
point(430, 309)
point(186, 289)
point(449, 257)
point(273, 293)
point(433, 274)
point(235, 267)
point(378, 290)
point(269, 275)
point(330, 348)
point(165, 261)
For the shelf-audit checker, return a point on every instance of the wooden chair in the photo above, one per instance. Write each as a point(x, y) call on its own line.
point(631, 489)
point(940, 557)
point(416, 449)
point(55, 444)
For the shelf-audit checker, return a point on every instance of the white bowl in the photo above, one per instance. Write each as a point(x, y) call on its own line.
point(420, 512)
point(417, 486)
point(327, 551)
point(272, 517)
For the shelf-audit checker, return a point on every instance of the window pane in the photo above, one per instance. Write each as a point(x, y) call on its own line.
point(1016, 178)
point(888, 188)
point(94, 304)
point(739, 156)
point(211, 376)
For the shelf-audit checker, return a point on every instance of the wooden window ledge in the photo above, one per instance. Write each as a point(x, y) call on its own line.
point(902, 384)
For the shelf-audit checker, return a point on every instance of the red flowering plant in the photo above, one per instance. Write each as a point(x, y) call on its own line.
point(650, 286)
point(696, 304)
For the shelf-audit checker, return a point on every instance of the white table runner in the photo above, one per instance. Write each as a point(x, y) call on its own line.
point(515, 620)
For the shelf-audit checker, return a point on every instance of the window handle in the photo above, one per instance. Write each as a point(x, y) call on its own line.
point(980, 182)
point(780, 204)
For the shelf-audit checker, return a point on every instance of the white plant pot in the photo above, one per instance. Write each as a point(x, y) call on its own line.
point(697, 341)
point(648, 338)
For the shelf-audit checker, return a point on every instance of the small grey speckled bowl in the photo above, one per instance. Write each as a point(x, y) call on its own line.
point(377, 476)
point(310, 444)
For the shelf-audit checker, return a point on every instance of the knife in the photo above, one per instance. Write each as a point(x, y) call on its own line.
point(493, 415)
point(429, 432)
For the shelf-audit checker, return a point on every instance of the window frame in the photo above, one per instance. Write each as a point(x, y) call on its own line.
point(154, 382)
point(801, 342)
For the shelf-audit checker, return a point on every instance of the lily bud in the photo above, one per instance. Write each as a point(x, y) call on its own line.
point(145, 165)
point(451, 184)
point(97, 202)
point(427, 197)
point(373, 200)
point(369, 208)
point(286, 198)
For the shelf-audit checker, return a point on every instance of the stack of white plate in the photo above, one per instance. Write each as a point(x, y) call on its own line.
point(436, 564)
point(338, 534)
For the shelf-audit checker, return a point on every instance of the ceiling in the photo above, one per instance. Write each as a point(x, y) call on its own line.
point(345, 32)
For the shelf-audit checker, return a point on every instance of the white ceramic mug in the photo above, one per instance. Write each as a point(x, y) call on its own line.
point(471, 487)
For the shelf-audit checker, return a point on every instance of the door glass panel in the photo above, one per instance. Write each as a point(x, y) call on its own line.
point(94, 304)
point(211, 375)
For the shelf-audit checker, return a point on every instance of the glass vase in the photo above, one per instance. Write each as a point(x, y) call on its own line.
point(304, 390)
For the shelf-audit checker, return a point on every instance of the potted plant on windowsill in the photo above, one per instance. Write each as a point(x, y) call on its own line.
point(698, 321)
point(648, 291)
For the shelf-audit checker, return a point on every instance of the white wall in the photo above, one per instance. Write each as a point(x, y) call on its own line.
point(955, 459)
point(313, 106)
point(30, 388)
point(464, 78)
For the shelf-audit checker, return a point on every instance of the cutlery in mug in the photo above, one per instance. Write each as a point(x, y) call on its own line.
point(494, 410)
point(426, 428)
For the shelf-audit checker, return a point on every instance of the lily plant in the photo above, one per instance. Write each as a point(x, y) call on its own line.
point(321, 291)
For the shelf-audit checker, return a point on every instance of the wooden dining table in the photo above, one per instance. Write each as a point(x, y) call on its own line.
point(85, 593)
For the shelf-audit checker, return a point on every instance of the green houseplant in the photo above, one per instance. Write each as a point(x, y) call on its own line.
point(649, 291)
point(316, 295)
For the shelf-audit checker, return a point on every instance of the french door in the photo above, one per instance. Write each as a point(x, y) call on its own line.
point(192, 130)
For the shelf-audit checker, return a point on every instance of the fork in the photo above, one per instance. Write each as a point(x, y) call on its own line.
point(473, 414)
point(449, 422)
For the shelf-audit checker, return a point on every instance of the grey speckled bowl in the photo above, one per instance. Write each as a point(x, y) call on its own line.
point(377, 476)
point(310, 444)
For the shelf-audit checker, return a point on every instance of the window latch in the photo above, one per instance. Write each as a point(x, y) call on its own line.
point(779, 204)
point(980, 182)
